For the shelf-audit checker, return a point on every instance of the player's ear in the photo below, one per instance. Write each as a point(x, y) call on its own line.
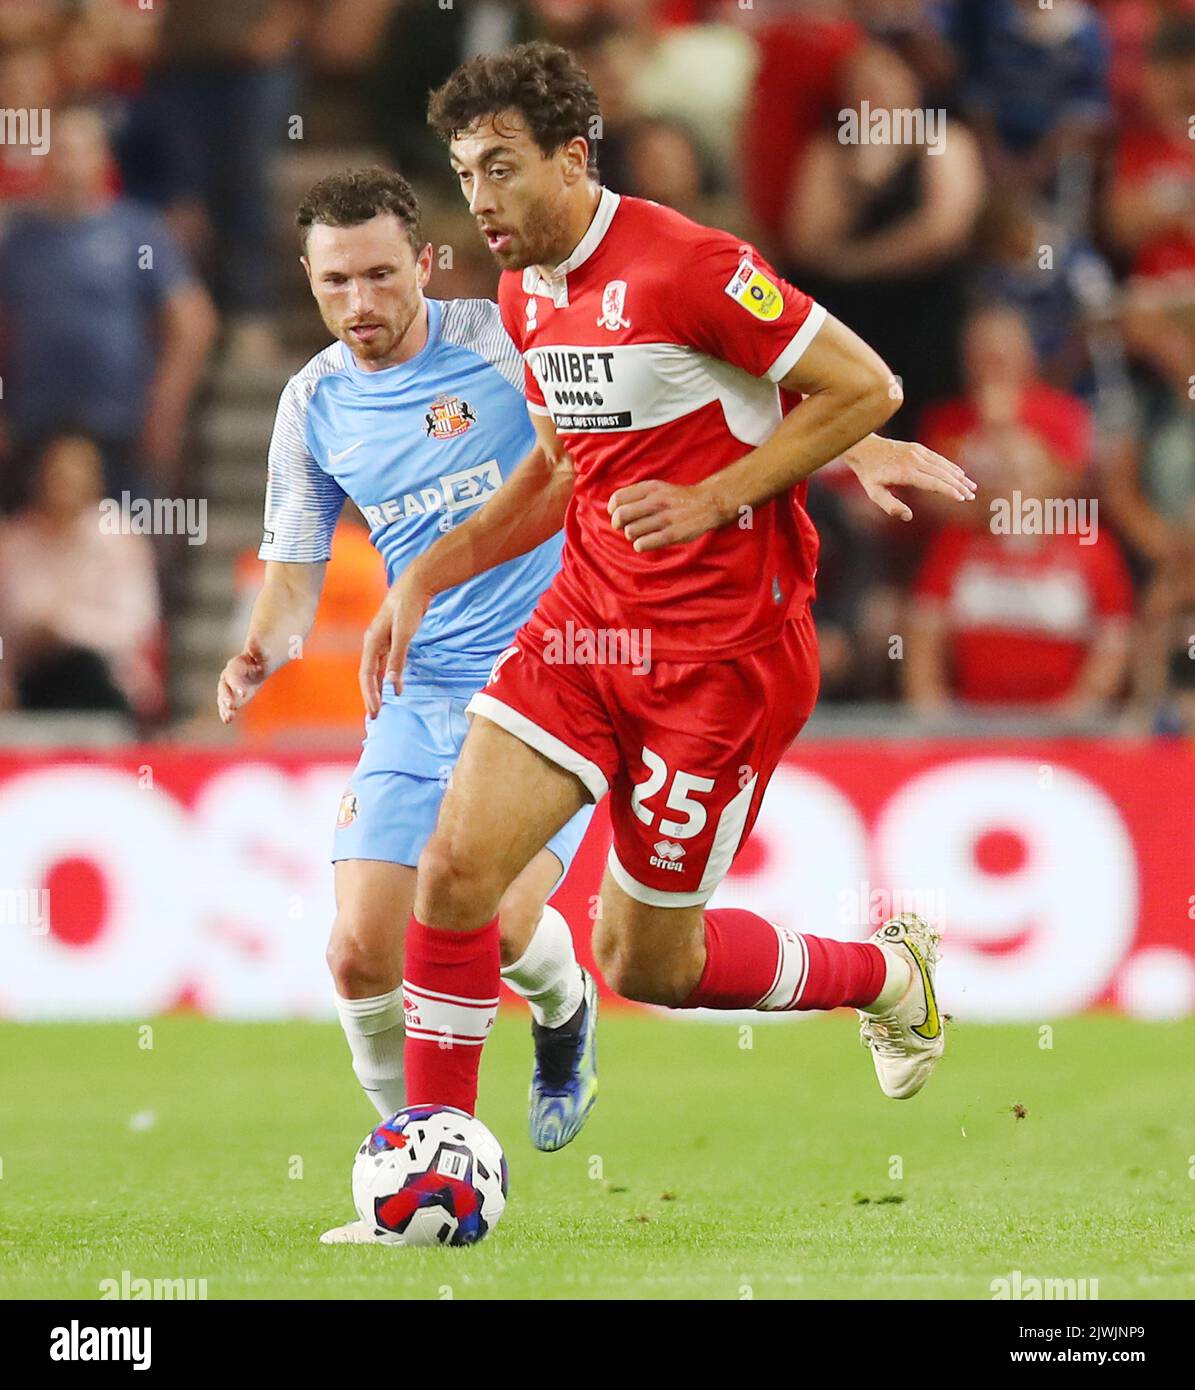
point(576, 159)
point(306, 264)
point(423, 264)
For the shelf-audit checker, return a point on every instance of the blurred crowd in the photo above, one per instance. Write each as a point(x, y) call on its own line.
point(1009, 219)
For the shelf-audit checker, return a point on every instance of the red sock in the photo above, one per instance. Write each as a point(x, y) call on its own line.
point(750, 963)
point(450, 998)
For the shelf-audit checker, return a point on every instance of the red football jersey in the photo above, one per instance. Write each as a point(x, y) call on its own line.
point(656, 348)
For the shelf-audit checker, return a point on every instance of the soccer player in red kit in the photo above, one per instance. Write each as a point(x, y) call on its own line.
point(673, 659)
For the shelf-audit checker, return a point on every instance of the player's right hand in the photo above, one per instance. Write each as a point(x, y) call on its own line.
point(240, 681)
point(384, 651)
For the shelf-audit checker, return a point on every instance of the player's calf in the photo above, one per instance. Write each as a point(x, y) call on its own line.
point(365, 960)
point(649, 954)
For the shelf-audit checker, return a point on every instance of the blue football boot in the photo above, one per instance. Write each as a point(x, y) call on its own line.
point(564, 1082)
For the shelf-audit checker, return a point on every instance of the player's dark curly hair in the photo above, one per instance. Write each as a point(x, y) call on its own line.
point(543, 82)
point(354, 196)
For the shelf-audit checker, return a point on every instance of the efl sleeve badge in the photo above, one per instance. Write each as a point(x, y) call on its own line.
point(755, 292)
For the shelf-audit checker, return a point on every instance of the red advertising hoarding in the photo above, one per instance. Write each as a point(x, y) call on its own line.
point(1063, 873)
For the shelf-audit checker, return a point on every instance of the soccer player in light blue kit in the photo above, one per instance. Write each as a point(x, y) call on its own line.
point(417, 414)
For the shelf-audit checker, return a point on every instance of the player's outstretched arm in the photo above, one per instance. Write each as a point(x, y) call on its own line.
point(282, 617)
point(849, 393)
point(526, 510)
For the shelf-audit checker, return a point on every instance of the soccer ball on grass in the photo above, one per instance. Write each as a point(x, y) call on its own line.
point(430, 1175)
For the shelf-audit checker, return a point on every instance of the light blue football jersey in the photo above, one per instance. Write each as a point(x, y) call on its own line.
point(418, 447)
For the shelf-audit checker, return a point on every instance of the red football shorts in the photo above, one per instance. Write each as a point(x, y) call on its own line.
point(685, 748)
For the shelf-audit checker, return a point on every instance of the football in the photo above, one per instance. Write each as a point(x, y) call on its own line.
point(430, 1175)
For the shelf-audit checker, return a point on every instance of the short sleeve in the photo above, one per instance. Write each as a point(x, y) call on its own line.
point(735, 307)
point(509, 292)
point(535, 397)
point(303, 503)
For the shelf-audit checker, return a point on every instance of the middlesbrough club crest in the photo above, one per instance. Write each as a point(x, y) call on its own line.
point(448, 417)
point(614, 299)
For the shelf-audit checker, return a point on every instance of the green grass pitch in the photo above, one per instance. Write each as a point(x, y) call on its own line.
point(709, 1169)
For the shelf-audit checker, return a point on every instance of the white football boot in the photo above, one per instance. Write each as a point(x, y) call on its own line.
point(907, 1039)
point(352, 1233)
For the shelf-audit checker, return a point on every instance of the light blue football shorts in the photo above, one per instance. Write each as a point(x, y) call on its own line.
point(389, 809)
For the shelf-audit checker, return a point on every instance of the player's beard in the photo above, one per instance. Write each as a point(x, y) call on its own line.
point(542, 240)
point(393, 331)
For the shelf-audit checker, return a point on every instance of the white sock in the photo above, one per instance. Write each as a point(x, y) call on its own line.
point(898, 980)
point(547, 974)
point(374, 1029)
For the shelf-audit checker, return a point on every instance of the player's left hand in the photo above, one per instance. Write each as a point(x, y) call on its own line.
point(881, 464)
point(654, 514)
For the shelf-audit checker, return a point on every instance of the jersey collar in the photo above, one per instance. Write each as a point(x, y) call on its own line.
point(553, 284)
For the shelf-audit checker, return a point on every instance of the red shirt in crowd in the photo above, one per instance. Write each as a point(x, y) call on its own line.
point(1149, 156)
point(796, 91)
point(1131, 26)
point(1060, 420)
point(1021, 612)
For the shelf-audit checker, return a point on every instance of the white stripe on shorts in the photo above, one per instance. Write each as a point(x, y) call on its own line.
point(591, 777)
point(727, 837)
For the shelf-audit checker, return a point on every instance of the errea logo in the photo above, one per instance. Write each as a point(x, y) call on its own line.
point(667, 856)
point(454, 492)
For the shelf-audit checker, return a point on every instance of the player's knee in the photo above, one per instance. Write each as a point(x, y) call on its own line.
point(457, 889)
point(359, 965)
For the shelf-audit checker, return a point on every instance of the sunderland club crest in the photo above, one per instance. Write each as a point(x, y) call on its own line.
point(448, 417)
